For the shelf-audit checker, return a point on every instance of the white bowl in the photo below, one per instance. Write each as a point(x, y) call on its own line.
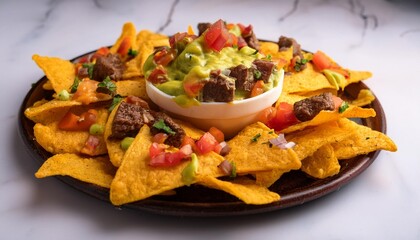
point(228, 117)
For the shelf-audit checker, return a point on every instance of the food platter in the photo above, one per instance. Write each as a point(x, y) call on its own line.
point(295, 188)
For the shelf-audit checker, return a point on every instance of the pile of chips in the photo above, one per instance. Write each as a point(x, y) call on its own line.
point(320, 144)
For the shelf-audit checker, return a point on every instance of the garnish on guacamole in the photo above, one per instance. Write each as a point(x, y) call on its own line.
point(221, 64)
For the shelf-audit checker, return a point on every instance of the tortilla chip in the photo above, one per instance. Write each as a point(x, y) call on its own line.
point(49, 111)
point(190, 130)
point(327, 116)
point(57, 141)
point(269, 48)
point(268, 178)
point(244, 189)
point(308, 141)
point(96, 170)
point(322, 164)
point(307, 80)
point(47, 85)
point(358, 76)
point(135, 87)
point(365, 97)
point(363, 141)
point(115, 152)
point(136, 180)
point(59, 72)
point(252, 156)
point(128, 31)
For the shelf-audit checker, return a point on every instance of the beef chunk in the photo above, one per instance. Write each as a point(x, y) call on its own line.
point(252, 41)
point(202, 27)
point(265, 68)
point(173, 139)
point(286, 42)
point(244, 77)
point(308, 108)
point(128, 120)
point(110, 65)
point(219, 88)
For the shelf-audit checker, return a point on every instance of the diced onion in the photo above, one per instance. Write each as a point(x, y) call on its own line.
point(226, 167)
point(281, 142)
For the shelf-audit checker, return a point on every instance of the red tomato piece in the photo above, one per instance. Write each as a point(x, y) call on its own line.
point(206, 143)
point(217, 36)
point(258, 88)
point(192, 86)
point(124, 46)
point(72, 122)
point(160, 137)
point(267, 114)
point(158, 75)
point(189, 141)
point(321, 61)
point(164, 56)
point(155, 149)
point(217, 134)
point(284, 118)
point(91, 145)
point(337, 102)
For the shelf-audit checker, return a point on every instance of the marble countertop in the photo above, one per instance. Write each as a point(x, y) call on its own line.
point(380, 36)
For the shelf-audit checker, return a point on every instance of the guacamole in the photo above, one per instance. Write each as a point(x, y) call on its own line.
point(192, 71)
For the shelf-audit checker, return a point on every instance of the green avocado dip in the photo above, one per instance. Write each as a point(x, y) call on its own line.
point(210, 69)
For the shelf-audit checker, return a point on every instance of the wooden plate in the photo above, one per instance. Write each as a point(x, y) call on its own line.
point(295, 188)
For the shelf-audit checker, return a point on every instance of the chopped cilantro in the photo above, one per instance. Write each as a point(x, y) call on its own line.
point(107, 85)
point(132, 53)
point(161, 125)
point(75, 85)
point(255, 138)
point(256, 51)
point(233, 172)
point(299, 64)
point(117, 99)
point(257, 74)
point(89, 67)
point(268, 57)
point(343, 107)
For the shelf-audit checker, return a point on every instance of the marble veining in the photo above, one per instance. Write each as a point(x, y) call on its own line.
point(381, 36)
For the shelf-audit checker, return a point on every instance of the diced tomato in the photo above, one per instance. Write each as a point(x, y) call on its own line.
point(232, 41)
point(164, 56)
point(217, 36)
point(337, 102)
point(245, 31)
point(341, 71)
point(160, 137)
point(217, 134)
point(158, 75)
point(156, 149)
point(206, 143)
point(91, 145)
point(321, 61)
point(258, 88)
point(103, 51)
point(284, 118)
point(267, 114)
point(192, 86)
point(72, 122)
point(160, 158)
point(124, 46)
point(189, 141)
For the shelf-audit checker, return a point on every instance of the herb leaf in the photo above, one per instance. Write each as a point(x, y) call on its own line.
point(89, 67)
point(233, 172)
point(299, 64)
point(255, 138)
point(117, 99)
point(343, 107)
point(161, 125)
point(257, 74)
point(75, 85)
point(107, 86)
point(132, 53)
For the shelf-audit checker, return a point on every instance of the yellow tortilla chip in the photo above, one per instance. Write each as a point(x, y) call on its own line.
point(365, 140)
point(115, 152)
point(49, 111)
point(136, 180)
point(307, 80)
point(364, 98)
point(308, 141)
point(47, 86)
point(57, 141)
point(128, 31)
point(357, 76)
point(245, 190)
point(135, 87)
point(322, 164)
point(327, 116)
point(269, 48)
point(59, 72)
point(251, 151)
point(268, 178)
point(96, 170)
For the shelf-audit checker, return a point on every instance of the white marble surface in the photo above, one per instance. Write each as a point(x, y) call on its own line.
point(380, 36)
